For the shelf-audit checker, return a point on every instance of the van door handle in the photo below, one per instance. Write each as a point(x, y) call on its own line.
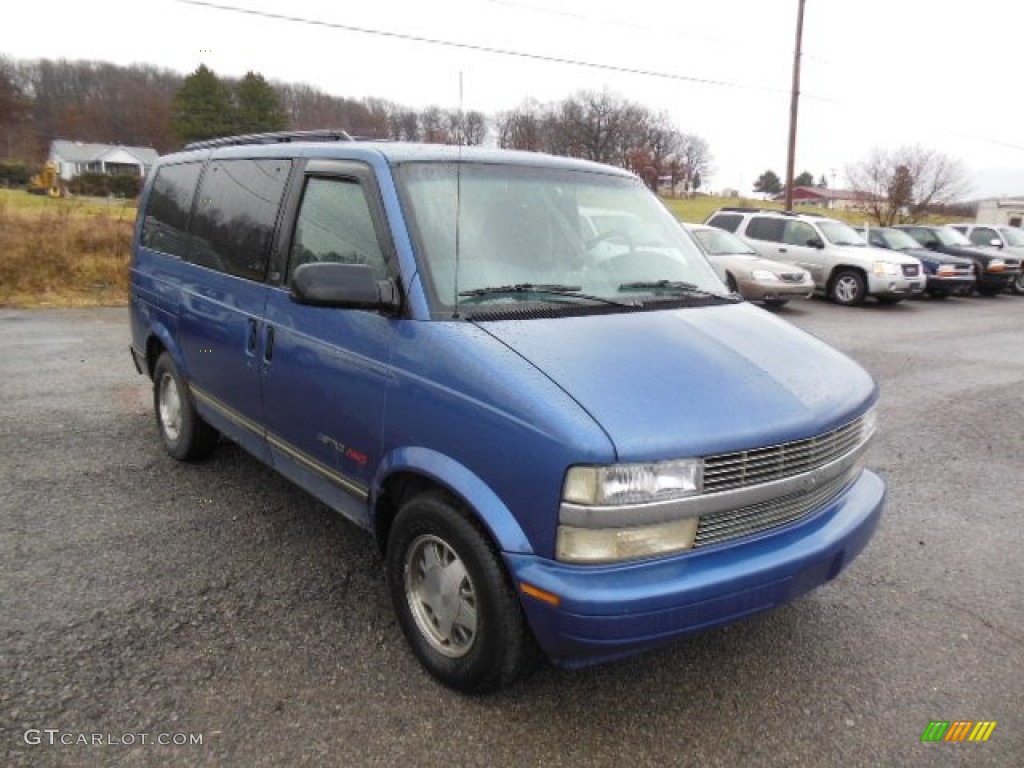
point(250, 344)
point(268, 349)
point(782, 250)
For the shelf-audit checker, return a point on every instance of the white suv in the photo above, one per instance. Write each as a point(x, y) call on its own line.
point(843, 265)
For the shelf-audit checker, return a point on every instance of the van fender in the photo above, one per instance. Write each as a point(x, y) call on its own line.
point(167, 341)
point(489, 509)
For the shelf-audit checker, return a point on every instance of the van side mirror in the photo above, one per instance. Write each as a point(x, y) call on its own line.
point(815, 242)
point(347, 286)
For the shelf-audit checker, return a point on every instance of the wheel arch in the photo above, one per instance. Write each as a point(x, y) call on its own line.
point(408, 471)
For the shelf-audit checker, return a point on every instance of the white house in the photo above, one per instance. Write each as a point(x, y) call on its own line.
point(73, 158)
point(1001, 211)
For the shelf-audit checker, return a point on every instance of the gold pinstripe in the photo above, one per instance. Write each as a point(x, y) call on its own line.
point(280, 444)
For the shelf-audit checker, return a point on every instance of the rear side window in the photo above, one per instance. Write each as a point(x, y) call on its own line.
point(170, 202)
point(764, 228)
point(233, 226)
point(730, 222)
point(335, 225)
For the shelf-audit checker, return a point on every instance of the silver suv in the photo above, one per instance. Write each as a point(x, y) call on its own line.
point(843, 265)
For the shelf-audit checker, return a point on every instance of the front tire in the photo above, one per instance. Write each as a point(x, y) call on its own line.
point(848, 288)
point(453, 598)
point(1017, 284)
point(988, 289)
point(184, 433)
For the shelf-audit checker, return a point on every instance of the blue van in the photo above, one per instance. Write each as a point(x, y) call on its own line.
point(516, 371)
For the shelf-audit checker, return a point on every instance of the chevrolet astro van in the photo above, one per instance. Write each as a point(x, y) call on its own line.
point(563, 439)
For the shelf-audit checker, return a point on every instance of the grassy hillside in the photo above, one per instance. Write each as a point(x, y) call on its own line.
point(63, 252)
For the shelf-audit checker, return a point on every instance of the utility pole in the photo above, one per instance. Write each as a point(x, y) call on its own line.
point(794, 103)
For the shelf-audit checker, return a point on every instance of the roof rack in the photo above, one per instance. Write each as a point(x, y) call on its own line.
point(277, 137)
point(741, 209)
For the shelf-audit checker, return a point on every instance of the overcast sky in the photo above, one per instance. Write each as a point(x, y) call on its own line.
point(876, 73)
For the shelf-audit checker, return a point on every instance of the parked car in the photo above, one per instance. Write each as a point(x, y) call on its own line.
point(552, 445)
point(993, 272)
point(746, 273)
point(946, 275)
point(842, 265)
point(1009, 239)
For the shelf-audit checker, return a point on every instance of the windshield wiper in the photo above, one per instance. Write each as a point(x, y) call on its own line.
point(676, 287)
point(550, 289)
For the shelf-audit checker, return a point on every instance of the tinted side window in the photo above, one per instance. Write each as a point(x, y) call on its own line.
point(983, 235)
point(170, 202)
point(335, 224)
point(727, 221)
point(763, 228)
point(233, 226)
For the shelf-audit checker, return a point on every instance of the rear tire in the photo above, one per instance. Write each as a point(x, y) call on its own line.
point(848, 288)
point(453, 598)
point(184, 433)
point(1017, 285)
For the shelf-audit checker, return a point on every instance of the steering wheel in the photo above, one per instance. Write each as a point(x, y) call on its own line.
point(611, 234)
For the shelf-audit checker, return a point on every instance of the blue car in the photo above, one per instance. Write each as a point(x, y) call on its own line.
point(574, 443)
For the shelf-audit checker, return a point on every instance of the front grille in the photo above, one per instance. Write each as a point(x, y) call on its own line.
point(734, 523)
point(763, 465)
point(792, 277)
point(911, 270)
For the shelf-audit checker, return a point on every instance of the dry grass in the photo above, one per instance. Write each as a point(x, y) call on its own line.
point(63, 253)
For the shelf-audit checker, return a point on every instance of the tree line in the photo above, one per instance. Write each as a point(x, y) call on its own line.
point(142, 105)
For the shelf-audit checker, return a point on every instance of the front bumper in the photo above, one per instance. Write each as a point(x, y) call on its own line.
point(954, 285)
point(754, 290)
point(617, 610)
point(886, 285)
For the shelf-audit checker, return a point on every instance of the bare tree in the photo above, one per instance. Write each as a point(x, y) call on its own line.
point(522, 127)
point(903, 184)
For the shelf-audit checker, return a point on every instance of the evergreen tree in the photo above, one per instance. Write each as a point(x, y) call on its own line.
point(258, 106)
point(768, 183)
point(805, 179)
point(202, 108)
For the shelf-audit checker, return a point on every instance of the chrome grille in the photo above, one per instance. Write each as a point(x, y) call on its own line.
point(911, 270)
point(762, 465)
point(734, 523)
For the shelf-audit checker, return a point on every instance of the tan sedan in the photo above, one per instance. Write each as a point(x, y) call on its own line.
point(746, 273)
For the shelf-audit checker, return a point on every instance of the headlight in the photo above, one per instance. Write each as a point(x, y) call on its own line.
point(885, 268)
point(764, 275)
point(996, 265)
point(625, 485)
point(632, 483)
point(604, 545)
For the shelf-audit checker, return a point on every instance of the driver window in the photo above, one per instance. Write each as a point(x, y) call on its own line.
point(335, 225)
point(799, 233)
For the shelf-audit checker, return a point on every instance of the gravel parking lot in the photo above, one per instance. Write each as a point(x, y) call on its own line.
point(142, 600)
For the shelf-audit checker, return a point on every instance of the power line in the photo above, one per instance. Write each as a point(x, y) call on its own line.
point(485, 48)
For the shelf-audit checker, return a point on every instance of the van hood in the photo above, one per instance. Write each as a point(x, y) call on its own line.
point(693, 382)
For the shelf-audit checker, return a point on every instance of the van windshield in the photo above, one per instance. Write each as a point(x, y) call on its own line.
point(550, 235)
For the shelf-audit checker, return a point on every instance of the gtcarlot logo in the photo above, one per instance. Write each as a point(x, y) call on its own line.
point(56, 737)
